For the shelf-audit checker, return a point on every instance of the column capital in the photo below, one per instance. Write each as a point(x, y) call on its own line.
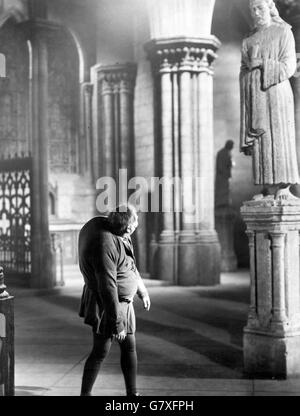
point(116, 77)
point(183, 54)
point(277, 238)
point(251, 235)
point(116, 73)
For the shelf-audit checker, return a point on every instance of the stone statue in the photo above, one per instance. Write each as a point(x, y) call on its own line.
point(267, 103)
point(224, 166)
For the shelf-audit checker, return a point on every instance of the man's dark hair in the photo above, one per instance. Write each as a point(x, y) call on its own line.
point(119, 220)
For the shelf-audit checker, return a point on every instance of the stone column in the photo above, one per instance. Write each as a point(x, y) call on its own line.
point(87, 92)
point(43, 264)
point(113, 118)
point(188, 246)
point(272, 334)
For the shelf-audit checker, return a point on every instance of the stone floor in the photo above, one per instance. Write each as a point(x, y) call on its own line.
point(190, 343)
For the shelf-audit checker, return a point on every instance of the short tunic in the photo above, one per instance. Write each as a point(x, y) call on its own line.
point(107, 264)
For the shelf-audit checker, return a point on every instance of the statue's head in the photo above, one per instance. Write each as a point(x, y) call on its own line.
point(263, 12)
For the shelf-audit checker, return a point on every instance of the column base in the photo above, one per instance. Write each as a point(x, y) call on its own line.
point(189, 259)
point(269, 356)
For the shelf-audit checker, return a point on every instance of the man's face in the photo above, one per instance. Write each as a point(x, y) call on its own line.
point(133, 225)
point(260, 12)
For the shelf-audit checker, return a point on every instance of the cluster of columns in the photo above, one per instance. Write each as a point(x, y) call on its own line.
point(188, 249)
point(112, 115)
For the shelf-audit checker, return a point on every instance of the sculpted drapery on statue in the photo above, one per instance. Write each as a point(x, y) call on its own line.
point(267, 104)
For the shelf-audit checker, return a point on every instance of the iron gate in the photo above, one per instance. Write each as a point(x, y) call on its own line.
point(15, 225)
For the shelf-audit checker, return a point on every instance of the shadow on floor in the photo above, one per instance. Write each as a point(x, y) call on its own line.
point(230, 293)
point(226, 360)
point(221, 355)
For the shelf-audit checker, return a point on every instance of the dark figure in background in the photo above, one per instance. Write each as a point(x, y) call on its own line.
point(224, 165)
point(107, 263)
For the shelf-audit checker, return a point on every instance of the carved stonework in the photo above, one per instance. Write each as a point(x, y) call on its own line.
point(116, 77)
point(271, 337)
point(192, 55)
point(115, 86)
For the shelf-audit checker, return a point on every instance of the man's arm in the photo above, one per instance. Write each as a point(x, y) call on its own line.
point(142, 292)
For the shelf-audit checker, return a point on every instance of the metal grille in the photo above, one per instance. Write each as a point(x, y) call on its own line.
point(15, 225)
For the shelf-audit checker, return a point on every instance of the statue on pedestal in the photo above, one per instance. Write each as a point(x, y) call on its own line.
point(267, 102)
point(271, 342)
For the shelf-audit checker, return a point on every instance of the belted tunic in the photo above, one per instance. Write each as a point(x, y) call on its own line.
point(111, 279)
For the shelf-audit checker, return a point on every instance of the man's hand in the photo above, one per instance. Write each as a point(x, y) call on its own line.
point(121, 336)
point(146, 302)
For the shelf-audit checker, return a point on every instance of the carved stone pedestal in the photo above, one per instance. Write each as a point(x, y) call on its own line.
point(224, 219)
point(272, 334)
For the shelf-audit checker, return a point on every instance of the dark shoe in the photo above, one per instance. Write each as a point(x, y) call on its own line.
point(134, 394)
